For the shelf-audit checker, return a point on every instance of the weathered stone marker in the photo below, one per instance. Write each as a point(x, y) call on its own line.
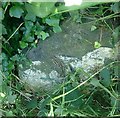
point(74, 46)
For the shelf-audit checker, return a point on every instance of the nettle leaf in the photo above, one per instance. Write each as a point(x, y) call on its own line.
point(16, 11)
point(105, 75)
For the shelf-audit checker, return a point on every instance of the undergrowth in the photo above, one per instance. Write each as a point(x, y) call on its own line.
point(99, 95)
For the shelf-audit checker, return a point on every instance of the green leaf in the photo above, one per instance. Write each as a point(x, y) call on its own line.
point(116, 33)
point(57, 29)
point(32, 104)
point(97, 44)
point(95, 82)
point(58, 110)
point(115, 7)
point(55, 23)
point(41, 9)
point(29, 25)
point(52, 22)
point(105, 75)
point(4, 63)
point(15, 58)
point(63, 8)
point(1, 80)
point(44, 35)
point(39, 27)
point(23, 44)
point(93, 28)
point(9, 114)
point(16, 11)
point(74, 15)
point(1, 14)
point(28, 37)
point(30, 17)
point(0, 29)
point(17, 1)
point(11, 98)
point(4, 31)
point(10, 65)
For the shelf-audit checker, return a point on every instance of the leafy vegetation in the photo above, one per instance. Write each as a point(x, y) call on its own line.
point(24, 25)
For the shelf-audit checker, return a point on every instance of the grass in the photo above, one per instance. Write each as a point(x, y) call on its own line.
point(90, 98)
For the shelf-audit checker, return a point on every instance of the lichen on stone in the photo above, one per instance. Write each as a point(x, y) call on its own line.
point(73, 47)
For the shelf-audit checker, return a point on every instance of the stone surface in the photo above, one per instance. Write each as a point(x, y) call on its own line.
point(74, 47)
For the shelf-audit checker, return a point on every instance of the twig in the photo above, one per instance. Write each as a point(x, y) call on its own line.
point(14, 32)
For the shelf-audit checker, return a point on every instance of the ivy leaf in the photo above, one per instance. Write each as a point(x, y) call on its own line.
point(29, 25)
point(28, 38)
point(30, 17)
point(44, 35)
point(57, 29)
point(23, 44)
point(105, 74)
point(52, 22)
point(10, 66)
point(55, 23)
point(4, 31)
point(16, 11)
point(41, 9)
point(15, 57)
